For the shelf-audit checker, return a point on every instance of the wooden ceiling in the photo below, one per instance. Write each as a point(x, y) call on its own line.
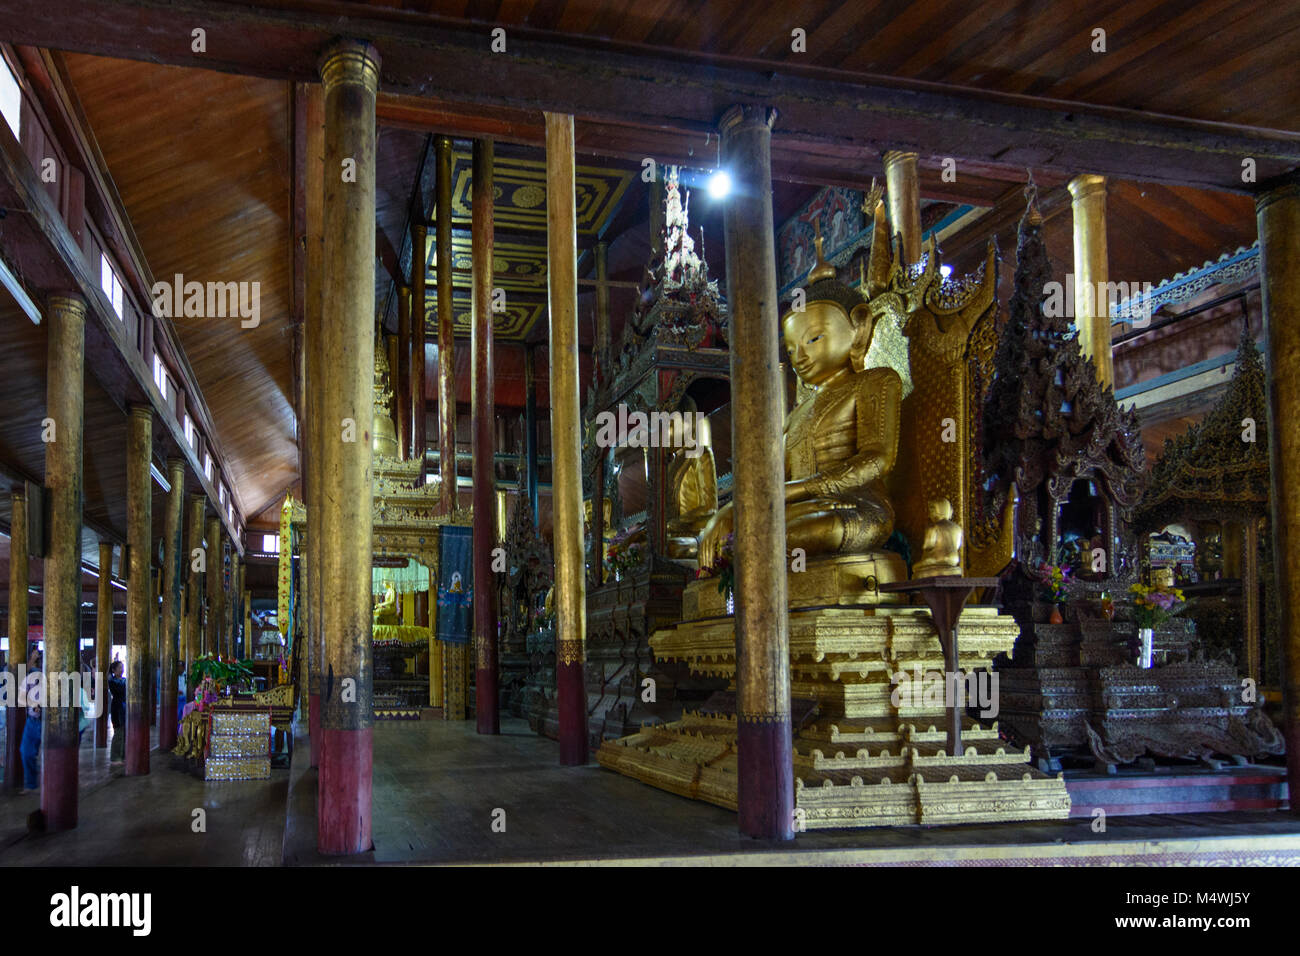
point(202, 163)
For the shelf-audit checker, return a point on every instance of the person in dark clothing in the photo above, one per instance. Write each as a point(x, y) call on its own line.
point(117, 712)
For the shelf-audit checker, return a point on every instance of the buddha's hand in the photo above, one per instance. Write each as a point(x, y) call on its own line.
point(714, 534)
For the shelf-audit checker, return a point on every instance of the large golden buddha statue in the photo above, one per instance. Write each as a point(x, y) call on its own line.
point(841, 440)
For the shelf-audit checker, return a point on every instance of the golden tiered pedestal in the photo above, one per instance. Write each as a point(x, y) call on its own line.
point(865, 760)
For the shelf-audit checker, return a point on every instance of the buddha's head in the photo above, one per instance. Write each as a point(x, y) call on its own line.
point(832, 331)
point(940, 509)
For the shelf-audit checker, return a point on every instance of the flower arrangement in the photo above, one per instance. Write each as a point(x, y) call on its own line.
point(1054, 577)
point(724, 566)
point(624, 552)
point(1153, 606)
point(221, 672)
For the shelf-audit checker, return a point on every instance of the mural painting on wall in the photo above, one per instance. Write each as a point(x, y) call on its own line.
point(838, 211)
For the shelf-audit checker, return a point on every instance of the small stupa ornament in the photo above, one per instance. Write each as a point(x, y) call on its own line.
point(682, 267)
point(384, 442)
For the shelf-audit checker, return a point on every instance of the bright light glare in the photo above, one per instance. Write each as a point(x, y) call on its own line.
point(945, 271)
point(720, 184)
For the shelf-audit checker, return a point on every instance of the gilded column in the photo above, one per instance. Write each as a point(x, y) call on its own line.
point(1278, 215)
point(19, 580)
point(316, 427)
point(64, 403)
point(530, 427)
point(212, 570)
point(402, 368)
point(140, 602)
point(484, 466)
point(173, 570)
point(1091, 308)
point(417, 410)
point(446, 334)
point(193, 588)
point(566, 441)
point(103, 636)
point(155, 612)
point(903, 193)
point(1250, 596)
point(350, 73)
point(763, 739)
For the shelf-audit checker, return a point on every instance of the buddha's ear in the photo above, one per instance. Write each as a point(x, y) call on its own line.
point(864, 328)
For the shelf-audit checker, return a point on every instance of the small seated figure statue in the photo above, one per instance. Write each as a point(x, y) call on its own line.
point(841, 441)
point(941, 552)
point(692, 485)
point(386, 610)
point(192, 737)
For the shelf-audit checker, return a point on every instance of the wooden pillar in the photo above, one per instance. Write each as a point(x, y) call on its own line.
point(350, 72)
point(419, 295)
point(566, 441)
point(446, 334)
point(1091, 309)
point(1278, 215)
point(766, 769)
point(193, 588)
point(64, 404)
point(173, 570)
point(484, 465)
point(317, 428)
point(246, 612)
point(212, 570)
point(530, 428)
point(604, 370)
point(402, 368)
point(903, 193)
point(1250, 597)
point(140, 603)
point(19, 579)
point(155, 611)
point(103, 636)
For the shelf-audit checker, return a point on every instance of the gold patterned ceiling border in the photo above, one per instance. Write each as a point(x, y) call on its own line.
point(519, 187)
point(516, 266)
point(514, 323)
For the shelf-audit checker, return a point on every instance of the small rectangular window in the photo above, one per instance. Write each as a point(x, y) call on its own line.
point(189, 431)
point(110, 283)
point(271, 543)
point(207, 465)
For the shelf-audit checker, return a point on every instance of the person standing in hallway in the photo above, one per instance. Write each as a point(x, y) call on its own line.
point(31, 745)
point(117, 712)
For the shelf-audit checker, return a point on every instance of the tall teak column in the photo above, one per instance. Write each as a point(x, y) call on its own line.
point(1091, 310)
point(64, 404)
point(566, 441)
point(104, 636)
point(193, 586)
point(140, 604)
point(213, 570)
point(19, 566)
point(173, 569)
point(446, 335)
point(483, 414)
point(765, 761)
point(316, 428)
point(350, 73)
point(1278, 214)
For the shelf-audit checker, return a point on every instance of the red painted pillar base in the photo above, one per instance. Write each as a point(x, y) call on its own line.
point(487, 701)
point(167, 727)
point(571, 699)
point(766, 784)
point(101, 725)
point(343, 801)
point(59, 780)
point(137, 744)
point(313, 727)
point(15, 718)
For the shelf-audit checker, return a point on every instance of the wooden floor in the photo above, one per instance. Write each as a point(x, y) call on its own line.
point(438, 786)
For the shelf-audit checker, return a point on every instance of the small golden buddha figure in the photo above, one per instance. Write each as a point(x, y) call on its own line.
point(386, 610)
point(841, 440)
point(1162, 579)
point(692, 486)
point(941, 552)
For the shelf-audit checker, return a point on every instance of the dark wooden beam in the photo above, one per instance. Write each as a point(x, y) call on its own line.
point(424, 55)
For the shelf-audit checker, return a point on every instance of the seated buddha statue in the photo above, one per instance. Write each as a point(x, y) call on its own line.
point(692, 488)
point(941, 551)
point(841, 440)
point(386, 610)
